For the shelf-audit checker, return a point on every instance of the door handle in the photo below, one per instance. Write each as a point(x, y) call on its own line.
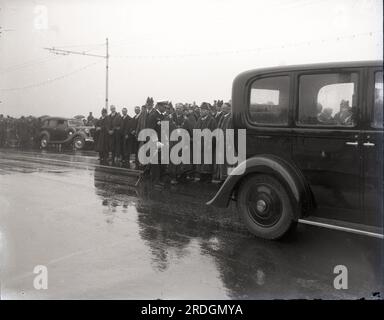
point(368, 144)
point(350, 143)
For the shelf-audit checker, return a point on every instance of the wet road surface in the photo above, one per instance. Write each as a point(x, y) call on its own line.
point(101, 237)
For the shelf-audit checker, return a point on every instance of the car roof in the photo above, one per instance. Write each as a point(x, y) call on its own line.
point(303, 67)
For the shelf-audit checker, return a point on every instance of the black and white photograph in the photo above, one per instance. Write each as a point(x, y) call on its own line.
point(211, 150)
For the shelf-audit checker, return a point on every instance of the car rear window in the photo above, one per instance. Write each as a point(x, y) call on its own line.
point(269, 101)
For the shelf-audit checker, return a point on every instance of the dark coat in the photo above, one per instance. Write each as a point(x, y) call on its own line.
point(221, 170)
point(154, 118)
point(115, 133)
point(218, 116)
point(133, 138)
point(125, 125)
point(207, 122)
point(102, 138)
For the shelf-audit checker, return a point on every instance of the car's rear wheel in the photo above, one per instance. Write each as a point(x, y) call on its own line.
point(78, 143)
point(265, 207)
point(44, 141)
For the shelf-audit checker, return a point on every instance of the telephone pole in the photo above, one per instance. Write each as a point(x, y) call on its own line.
point(106, 72)
point(84, 53)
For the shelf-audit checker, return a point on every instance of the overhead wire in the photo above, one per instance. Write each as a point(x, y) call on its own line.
point(242, 51)
point(45, 82)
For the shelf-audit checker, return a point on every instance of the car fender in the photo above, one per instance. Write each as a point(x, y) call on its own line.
point(290, 176)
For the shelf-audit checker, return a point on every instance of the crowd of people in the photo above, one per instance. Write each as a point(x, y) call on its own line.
point(19, 132)
point(116, 136)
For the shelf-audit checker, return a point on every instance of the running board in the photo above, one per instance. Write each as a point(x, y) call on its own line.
point(343, 226)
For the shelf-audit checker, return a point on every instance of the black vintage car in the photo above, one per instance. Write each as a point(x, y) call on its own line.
point(314, 141)
point(63, 131)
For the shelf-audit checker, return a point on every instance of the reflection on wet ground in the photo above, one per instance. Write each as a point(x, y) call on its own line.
point(101, 237)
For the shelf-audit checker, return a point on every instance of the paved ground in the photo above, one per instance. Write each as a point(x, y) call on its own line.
point(100, 237)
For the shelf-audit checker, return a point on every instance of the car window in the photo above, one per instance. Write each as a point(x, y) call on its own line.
point(377, 114)
point(52, 123)
point(61, 123)
point(269, 101)
point(328, 99)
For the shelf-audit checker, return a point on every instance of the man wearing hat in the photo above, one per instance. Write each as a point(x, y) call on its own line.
point(206, 121)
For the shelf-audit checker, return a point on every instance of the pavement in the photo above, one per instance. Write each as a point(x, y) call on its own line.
point(102, 237)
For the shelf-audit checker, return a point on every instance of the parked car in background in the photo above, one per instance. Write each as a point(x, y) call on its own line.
point(64, 131)
point(314, 148)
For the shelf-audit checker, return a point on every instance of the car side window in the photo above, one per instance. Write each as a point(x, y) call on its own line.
point(269, 101)
point(328, 99)
point(377, 114)
point(52, 123)
point(61, 124)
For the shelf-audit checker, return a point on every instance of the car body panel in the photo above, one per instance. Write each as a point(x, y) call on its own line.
point(338, 168)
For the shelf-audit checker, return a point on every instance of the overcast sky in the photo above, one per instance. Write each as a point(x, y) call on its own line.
point(175, 50)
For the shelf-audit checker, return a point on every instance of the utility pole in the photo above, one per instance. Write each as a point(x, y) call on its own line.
point(84, 53)
point(106, 73)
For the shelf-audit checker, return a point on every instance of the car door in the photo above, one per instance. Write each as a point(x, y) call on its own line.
point(268, 127)
point(327, 145)
point(61, 130)
point(372, 144)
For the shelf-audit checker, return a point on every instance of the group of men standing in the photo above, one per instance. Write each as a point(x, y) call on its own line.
point(116, 136)
point(19, 132)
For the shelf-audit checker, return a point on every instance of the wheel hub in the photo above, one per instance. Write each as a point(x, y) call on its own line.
point(261, 206)
point(264, 205)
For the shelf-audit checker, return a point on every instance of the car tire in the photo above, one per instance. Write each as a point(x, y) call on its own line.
point(44, 140)
point(265, 207)
point(78, 143)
